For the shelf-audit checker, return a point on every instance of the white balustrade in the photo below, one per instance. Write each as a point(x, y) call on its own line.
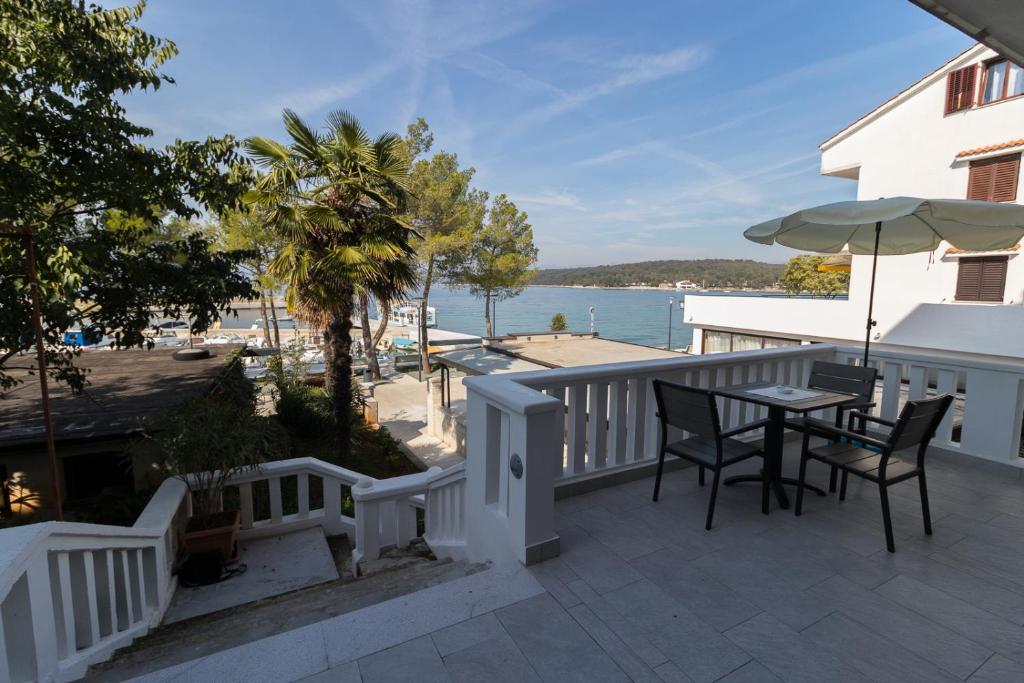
point(985, 421)
point(71, 594)
point(569, 425)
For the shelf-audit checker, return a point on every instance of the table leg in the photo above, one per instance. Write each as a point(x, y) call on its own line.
point(774, 442)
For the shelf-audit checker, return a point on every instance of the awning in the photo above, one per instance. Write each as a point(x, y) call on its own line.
point(996, 23)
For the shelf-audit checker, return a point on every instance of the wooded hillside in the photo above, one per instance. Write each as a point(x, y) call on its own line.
point(705, 272)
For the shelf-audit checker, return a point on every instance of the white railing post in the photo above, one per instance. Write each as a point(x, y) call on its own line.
point(510, 489)
point(367, 526)
point(992, 415)
point(43, 623)
point(332, 507)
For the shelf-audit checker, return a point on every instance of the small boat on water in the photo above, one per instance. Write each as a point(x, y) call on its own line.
point(408, 315)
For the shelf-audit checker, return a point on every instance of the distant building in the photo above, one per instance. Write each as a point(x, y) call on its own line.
point(956, 133)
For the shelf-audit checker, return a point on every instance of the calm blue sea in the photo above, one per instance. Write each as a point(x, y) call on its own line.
point(632, 315)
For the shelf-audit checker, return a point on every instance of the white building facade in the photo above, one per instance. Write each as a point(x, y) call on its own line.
point(956, 133)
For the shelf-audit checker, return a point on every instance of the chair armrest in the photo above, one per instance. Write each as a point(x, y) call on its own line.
point(822, 428)
point(745, 428)
point(856, 405)
point(856, 414)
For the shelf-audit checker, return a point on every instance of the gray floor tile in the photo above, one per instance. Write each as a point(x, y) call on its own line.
point(556, 646)
point(877, 658)
point(620, 537)
point(670, 673)
point(998, 669)
point(957, 615)
point(344, 673)
point(635, 638)
point(592, 561)
point(692, 644)
point(751, 672)
point(705, 596)
point(416, 660)
point(496, 660)
point(467, 634)
point(946, 649)
point(789, 654)
point(607, 639)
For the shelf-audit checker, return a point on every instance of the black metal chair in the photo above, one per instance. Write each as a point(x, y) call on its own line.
point(695, 411)
point(915, 427)
point(848, 379)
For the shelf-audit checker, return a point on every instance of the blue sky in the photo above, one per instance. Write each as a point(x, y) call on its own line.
point(628, 131)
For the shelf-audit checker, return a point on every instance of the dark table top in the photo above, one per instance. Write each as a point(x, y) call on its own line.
point(824, 399)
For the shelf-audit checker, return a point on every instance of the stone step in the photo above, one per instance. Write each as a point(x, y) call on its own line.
point(398, 574)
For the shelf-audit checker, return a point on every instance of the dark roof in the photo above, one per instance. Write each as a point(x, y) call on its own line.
point(124, 387)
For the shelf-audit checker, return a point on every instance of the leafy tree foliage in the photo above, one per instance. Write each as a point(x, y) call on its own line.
point(802, 275)
point(75, 172)
point(501, 256)
point(335, 200)
point(710, 272)
point(558, 323)
point(445, 211)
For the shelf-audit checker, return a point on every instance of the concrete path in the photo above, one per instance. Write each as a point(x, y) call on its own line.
point(402, 408)
point(274, 565)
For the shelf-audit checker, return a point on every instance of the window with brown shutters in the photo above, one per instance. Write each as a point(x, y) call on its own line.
point(995, 179)
point(960, 88)
point(981, 278)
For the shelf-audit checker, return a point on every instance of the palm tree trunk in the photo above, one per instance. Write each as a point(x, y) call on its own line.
point(368, 346)
point(263, 312)
point(340, 371)
point(487, 313)
point(384, 309)
point(273, 319)
point(328, 358)
point(424, 351)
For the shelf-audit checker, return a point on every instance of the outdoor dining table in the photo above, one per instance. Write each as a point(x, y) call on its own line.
point(800, 401)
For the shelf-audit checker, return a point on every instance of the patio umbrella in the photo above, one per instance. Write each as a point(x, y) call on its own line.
point(894, 226)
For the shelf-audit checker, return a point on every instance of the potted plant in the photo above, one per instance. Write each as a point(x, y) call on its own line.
point(205, 443)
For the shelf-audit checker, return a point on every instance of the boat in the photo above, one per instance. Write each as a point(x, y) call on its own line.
point(408, 315)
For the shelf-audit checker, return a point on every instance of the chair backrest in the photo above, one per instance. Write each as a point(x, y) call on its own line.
point(688, 408)
point(848, 379)
point(918, 421)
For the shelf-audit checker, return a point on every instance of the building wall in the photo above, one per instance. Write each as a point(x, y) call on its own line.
point(909, 150)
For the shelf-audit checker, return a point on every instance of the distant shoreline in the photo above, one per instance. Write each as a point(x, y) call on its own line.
point(648, 288)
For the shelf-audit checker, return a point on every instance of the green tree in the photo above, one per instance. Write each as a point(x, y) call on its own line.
point(445, 211)
point(336, 200)
point(501, 256)
point(246, 230)
point(802, 275)
point(558, 323)
point(77, 174)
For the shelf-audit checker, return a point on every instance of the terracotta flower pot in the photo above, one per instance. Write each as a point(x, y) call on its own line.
point(218, 531)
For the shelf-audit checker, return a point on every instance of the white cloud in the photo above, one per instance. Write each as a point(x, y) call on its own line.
point(549, 199)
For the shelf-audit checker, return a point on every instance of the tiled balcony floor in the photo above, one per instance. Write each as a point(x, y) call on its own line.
point(641, 592)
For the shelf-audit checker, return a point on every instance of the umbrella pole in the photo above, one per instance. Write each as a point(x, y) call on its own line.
point(871, 297)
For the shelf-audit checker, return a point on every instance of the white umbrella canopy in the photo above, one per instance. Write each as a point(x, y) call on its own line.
point(894, 226)
point(908, 225)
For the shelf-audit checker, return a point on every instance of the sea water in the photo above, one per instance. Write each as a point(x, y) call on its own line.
point(640, 316)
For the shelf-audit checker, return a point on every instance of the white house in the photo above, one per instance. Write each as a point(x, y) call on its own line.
point(956, 133)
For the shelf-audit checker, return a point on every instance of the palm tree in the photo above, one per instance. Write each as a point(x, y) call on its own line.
point(388, 286)
point(335, 199)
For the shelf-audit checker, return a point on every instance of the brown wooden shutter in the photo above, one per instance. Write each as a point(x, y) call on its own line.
point(960, 89)
point(981, 279)
point(995, 179)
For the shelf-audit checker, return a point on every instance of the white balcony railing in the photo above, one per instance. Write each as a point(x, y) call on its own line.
point(559, 426)
point(71, 594)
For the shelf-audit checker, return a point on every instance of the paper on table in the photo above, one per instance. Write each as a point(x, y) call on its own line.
point(796, 395)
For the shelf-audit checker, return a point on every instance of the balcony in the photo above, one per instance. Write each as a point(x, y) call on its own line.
point(615, 587)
